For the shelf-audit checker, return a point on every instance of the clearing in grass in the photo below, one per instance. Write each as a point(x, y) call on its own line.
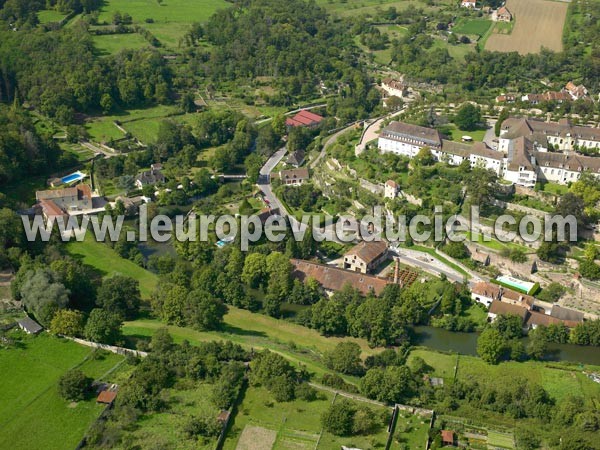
point(32, 414)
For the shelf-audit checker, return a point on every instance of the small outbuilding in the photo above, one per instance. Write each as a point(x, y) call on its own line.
point(448, 437)
point(106, 397)
point(29, 326)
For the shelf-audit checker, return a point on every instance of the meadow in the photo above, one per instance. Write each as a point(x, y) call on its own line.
point(473, 26)
point(170, 18)
point(374, 7)
point(104, 259)
point(32, 414)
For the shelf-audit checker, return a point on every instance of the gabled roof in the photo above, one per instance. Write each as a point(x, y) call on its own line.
point(296, 158)
point(334, 278)
point(106, 397)
point(572, 162)
point(51, 209)
point(466, 150)
point(368, 251)
point(499, 308)
point(536, 318)
point(304, 118)
point(566, 314)
point(294, 174)
point(79, 191)
point(152, 176)
point(30, 325)
point(392, 184)
point(406, 132)
point(520, 154)
point(486, 289)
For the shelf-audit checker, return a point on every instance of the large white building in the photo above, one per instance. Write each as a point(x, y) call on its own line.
point(523, 157)
point(561, 135)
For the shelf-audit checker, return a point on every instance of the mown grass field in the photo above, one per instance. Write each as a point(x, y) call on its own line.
point(109, 44)
point(108, 263)
point(32, 414)
point(50, 15)
point(472, 26)
point(171, 17)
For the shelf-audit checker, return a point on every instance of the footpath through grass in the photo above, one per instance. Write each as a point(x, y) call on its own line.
point(32, 414)
point(105, 260)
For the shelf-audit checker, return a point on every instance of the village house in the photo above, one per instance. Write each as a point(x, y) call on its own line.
point(576, 92)
point(506, 98)
point(150, 177)
point(60, 202)
point(394, 88)
point(366, 256)
point(485, 293)
point(296, 158)
point(521, 164)
point(502, 14)
point(391, 189)
point(333, 279)
point(468, 4)
point(481, 257)
point(499, 308)
point(294, 177)
point(304, 119)
point(448, 438)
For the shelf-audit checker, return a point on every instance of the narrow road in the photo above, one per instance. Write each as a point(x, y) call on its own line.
point(330, 140)
point(428, 263)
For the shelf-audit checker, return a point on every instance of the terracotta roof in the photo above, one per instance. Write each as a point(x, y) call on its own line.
point(106, 397)
point(294, 174)
point(515, 296)
point(334, 278)
point(405, 132)
point(486, 289)
point(499, 308)
point(394, 84)
point(504, 11)
point(392, 184)
point(304, 118)
point(51, 209)
point(448, 435)
point(368, 251)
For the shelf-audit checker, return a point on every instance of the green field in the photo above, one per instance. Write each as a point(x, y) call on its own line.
point(473, 27)
point(411, 431)
point(32, 415)
point(171, 17)
point(456, 133)
point(102, 258)
point(109, 44)
point(50, 15)
point(296, 424)
point(165, 429)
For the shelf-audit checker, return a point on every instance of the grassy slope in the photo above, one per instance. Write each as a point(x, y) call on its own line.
point(105, 260)
point(32, 415)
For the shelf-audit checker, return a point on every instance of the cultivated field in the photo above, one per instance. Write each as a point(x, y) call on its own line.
point(32, 414)
point(538, 23)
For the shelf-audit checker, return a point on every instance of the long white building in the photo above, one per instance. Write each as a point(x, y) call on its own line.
point(523, 157)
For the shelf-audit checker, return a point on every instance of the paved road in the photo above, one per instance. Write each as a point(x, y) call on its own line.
point(372, 131)
point(330, 140)
point(427, 262)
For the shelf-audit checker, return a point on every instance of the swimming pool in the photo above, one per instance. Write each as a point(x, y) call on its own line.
point(76, 176)
point(520, 285)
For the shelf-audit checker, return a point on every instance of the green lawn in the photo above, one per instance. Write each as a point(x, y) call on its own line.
point(456, 134)
point(554, 188)
point(50, 15)
point(32, 414)
point(443, 364)
point(472, 26)
point(411, 431)
point(109, 44)
point(373, 7)
point(172, 18)
point(106, 261)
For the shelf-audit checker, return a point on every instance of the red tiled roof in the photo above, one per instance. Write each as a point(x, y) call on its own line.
point(304, 118)
point(447, 436)
point(51, 209)
point(106, 397)
point(334, 278)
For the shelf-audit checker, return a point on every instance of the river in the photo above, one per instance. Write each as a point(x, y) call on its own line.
point(466, 344)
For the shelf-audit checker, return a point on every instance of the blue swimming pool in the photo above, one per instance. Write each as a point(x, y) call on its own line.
point(77, 176)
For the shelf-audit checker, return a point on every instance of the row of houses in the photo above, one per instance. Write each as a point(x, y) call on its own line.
point(522, 156)
point(570, 92)
point(502, 301)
